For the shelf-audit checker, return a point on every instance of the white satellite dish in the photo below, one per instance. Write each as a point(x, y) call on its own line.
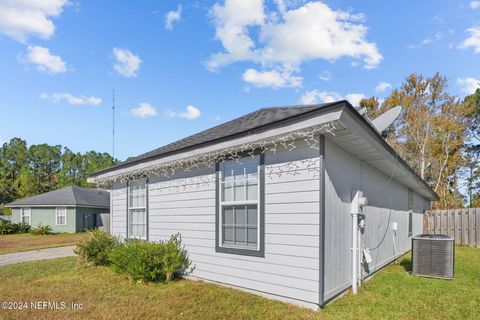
point(383, 121)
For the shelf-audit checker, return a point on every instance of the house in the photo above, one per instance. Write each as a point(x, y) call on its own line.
point(273, 202)
point(70, 209)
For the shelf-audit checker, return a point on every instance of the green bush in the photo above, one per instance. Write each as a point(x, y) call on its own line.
point(6, 227)
point(21, 227)
point(139, 259)
point(95, 247)
point(41, 230)
point(146, 261)
point(175, 260)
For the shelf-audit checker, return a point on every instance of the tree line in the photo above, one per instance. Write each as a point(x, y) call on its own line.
point(438, 134)
point(29, 170)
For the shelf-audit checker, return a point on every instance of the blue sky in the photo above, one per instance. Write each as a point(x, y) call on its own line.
point(181, 67)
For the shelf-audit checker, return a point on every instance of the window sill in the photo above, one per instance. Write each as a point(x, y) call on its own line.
point(240, 251)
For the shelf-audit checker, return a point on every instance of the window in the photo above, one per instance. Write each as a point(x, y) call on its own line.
point(61, 216)
point(239, 216)
point(26, 215)
point(137, 209)
point(410, 212)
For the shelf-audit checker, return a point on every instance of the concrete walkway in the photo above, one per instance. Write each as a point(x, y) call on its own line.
point(33, 255)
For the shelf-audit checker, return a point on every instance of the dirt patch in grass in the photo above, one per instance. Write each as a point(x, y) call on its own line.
point(392, 294)
point(24, 242)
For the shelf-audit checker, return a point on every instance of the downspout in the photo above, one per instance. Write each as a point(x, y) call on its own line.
point(321, 253)
point(357, 203)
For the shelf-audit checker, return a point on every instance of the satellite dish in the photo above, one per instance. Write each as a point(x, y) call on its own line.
point(383, 121)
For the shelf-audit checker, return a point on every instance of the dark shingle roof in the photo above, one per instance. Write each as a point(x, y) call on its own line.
point(71, 196)
point(246, 124)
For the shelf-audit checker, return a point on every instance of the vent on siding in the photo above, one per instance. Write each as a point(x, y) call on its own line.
point(433, 256)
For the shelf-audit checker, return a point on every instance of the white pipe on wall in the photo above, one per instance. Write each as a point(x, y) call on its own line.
point(354, 252)
point(357, 203)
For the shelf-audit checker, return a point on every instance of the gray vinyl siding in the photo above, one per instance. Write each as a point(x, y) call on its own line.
point(185, 203)
point(344, 175)
point(118, 210)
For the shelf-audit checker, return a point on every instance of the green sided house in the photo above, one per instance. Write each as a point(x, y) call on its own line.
point(70, 209)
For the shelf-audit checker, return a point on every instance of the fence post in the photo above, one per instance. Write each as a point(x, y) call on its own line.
point(477, 226)
point(426, 225)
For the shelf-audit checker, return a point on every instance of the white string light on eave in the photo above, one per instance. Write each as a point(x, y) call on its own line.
point(285, 142)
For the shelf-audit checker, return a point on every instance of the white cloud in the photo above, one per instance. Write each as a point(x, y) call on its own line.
point(21, 19)
point(473, 41)
point(190, 113)
point(127, 63)
point(326, 76)
point(435, 38)
point(144, 110)
point(438, 36)
point(71, 99)
point(273, 79)
point(173, 16)
point(468, 85)
point(287, 37)
point(317, 96)
point(383, 86)
point(475, 5)
point(44, 60)
point(215, 118)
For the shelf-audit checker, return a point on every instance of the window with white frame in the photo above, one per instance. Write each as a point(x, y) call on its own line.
point(26, 215)
point(137, 209)
point(239, 204)
point(61, 216)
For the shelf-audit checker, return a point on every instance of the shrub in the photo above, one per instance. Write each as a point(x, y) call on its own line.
point(21, 227)
point(175, 260)
point(139, 259)
point(95, 247)
point(41, 230)
point(7, 227)
point(146, 261)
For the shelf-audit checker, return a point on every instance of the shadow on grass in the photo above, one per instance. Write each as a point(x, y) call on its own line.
point(406, 264)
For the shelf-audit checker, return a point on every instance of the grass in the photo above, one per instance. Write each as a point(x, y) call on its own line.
point(25, 241)
point(391, 294)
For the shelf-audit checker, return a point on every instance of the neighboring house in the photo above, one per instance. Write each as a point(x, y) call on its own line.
point(264, 202)
point(70, 209)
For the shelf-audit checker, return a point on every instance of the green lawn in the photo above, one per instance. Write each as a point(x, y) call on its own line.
point(25, 241)
point(391, 294)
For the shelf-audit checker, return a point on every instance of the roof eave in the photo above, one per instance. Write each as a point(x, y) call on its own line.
point(367, 125)
point(316, 112)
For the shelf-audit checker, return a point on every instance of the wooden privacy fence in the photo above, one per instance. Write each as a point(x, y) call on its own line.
point(462, 224)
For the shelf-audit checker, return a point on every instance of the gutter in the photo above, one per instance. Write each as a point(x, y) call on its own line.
point(321, 224)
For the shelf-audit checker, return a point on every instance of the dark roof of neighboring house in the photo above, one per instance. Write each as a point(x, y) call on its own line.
point(68, 196)
point(246, 124)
